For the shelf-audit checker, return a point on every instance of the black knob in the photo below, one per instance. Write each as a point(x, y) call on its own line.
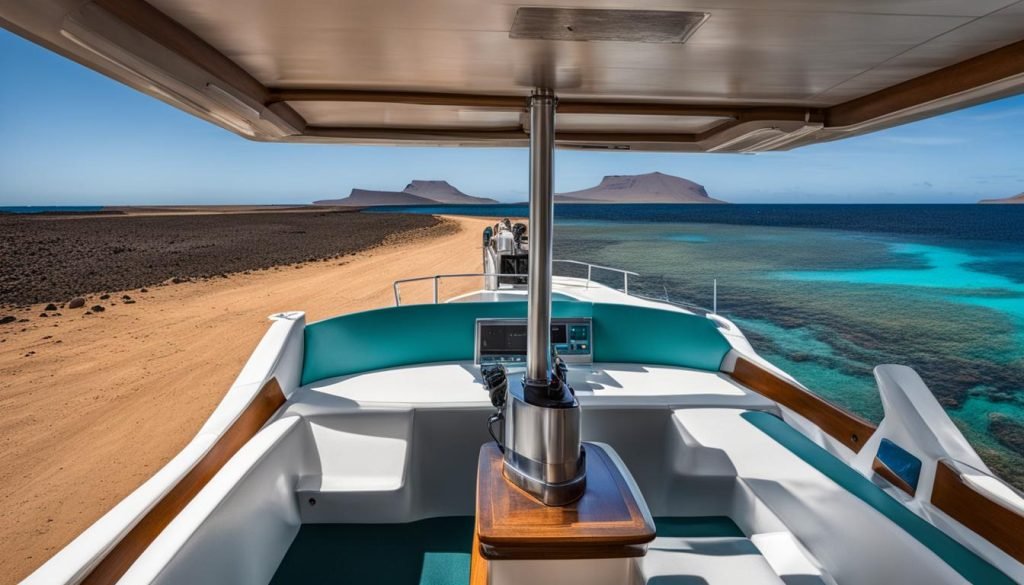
point(496, 380)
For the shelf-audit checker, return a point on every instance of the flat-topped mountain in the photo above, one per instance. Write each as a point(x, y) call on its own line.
point(648, 188)
point(1014, 199)
point(415, 193)
point(442, 192)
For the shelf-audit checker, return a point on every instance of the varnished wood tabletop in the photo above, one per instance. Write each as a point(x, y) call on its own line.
point(609, 521)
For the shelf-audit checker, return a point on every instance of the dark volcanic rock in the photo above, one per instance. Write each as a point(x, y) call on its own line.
point(42, 258)
point(50, 307)
point(76, 303)
point(1008, 432)
point(97, 308)
point(104, 297)
point(7, 319)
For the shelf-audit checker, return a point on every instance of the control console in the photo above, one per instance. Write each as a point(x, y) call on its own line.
point(503, 341)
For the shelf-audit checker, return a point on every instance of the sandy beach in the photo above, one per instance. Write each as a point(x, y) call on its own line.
point(92, 405)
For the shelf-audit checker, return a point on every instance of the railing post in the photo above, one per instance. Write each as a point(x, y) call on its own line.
point(436, 279)
point(714, 298)
point(625, 278)
point(398, 299)
point(589, 268)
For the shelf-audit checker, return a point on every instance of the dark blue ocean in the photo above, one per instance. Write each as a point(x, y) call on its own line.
point(50, 208)
point(827, 292)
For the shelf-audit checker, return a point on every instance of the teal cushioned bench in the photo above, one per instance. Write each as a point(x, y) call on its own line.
point(972, 567)
point(419, 334)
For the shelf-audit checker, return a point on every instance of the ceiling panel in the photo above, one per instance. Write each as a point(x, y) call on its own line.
point(795, 67)
point(373, 115)
point(640, 124)
point(746, 52)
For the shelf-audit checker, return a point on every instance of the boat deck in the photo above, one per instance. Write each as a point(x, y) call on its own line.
point(460, 384)
point(437, 551)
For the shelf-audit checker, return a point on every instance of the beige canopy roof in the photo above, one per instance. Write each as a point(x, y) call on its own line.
point(677, 75)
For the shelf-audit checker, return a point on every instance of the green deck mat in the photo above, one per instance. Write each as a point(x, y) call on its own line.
point(428, 552)
point(697, 527)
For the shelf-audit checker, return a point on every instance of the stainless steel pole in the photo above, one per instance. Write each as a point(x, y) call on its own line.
point(542, 214)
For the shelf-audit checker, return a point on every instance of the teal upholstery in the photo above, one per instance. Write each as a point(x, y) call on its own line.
point(435, 551)
point(972, 567)
point(643, 335)
point(419, 334)
point(697, 527)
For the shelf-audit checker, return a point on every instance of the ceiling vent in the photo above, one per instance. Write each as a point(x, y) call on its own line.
point(584, 24)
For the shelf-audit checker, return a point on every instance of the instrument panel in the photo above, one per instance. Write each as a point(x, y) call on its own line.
point(503, 341)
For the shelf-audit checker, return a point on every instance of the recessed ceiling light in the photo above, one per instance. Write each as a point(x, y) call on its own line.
point(585, 24)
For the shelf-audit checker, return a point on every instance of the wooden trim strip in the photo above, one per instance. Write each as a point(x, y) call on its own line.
point(883, 470)
point(519, 103)
point(974, 73)
point(416, 98)
point(996, 523)
point(113, 566)
point(846, 427)
point(478, 566)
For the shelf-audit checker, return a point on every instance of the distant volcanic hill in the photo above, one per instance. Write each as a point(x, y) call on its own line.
point(1014, 199)
point(442, 192)
point(649, 188)
point(415, 193)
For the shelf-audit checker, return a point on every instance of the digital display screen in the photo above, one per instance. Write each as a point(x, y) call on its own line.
point(511, 339)
point(558, 333)
point(503, 340)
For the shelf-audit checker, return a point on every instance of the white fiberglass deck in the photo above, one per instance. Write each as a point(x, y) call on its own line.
point(459, 384)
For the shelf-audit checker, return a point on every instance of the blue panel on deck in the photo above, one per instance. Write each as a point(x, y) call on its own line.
point(899, 461)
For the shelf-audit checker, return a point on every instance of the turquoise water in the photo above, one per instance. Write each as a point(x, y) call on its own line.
point(827, 292)
point(828, 305)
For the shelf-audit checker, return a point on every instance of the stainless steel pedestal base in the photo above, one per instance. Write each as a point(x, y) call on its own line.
point(549, 494)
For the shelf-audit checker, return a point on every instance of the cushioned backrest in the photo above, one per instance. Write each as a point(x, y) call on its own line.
point(418, 334)
point(643, 335)
point(969, 565)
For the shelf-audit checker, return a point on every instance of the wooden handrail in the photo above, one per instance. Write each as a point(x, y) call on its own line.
point(844, 426)
point(996, 523)
point(114, 565)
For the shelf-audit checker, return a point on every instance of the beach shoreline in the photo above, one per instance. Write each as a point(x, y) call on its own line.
point(93, 405)
point(55, 258)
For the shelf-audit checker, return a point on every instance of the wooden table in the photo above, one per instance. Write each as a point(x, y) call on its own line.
point(610, 521)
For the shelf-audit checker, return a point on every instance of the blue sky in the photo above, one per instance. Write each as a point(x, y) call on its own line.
point(69, 136)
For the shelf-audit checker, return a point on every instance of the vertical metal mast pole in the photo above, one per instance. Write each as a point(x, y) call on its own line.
point(542, 213)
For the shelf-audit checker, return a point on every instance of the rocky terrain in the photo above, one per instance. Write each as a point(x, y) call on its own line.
point(415, 193)
point(54, 259)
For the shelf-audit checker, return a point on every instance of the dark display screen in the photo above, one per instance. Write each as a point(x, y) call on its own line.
point(558, 333)
point(503, 340)
point(511, 339)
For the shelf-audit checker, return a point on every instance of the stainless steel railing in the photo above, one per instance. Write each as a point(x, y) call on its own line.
point(590, 270)
point(437, 278)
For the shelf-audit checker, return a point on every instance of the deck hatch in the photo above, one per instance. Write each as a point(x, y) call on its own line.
point(583, 24)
